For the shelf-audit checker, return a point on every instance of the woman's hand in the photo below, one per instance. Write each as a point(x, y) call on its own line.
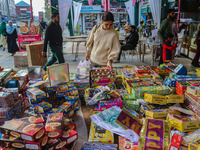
point(109, 64)
point(87, 56)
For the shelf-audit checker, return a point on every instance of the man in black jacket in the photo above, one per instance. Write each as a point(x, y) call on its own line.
point(130, 42)
point(53, 35)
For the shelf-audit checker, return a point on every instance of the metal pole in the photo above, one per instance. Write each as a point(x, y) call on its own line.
point(8, 9)
point(31, 10)
point(179, 11)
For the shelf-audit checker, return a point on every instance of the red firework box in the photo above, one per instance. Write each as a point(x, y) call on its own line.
point(39, 145)
point(54, 125)
point(12, 143)
point(29, 129)
point(69, 135)
point(176, 142)
point(67, 123)
point(56, 144)
point(181, 87)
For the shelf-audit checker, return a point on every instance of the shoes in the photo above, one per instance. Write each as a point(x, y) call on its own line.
point(116, 61)
point(4, 49)
point(13, 54)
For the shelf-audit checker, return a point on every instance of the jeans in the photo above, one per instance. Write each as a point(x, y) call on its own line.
point(57, 55)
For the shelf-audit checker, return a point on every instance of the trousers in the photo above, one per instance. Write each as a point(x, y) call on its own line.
point(57, 55)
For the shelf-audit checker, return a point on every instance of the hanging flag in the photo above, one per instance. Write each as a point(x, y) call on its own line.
point(77, 9)
point(108, 5)
point(130, 10)
point(134, 2)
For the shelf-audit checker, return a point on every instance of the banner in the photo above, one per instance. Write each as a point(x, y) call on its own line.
point(64, 6)
point(77, 9)
point(130, 10)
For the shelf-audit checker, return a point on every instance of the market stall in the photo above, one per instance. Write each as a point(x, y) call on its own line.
point(130, 103)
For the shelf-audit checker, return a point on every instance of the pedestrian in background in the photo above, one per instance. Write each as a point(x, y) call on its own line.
point(11, 34)
point(53, 35)
point(165, 30)
point(2, 35)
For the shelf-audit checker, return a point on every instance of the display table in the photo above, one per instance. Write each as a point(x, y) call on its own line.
point(142, 48)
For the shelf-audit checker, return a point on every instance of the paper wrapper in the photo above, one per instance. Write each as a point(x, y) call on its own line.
point(154, 135)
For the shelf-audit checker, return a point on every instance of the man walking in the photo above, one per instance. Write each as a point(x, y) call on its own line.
point(53, 35)
point(130, 41)
point(166, 29)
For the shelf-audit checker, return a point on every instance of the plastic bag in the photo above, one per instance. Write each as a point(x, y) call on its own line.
point(84, 63)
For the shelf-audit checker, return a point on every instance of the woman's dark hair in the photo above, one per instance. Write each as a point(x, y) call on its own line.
point(108, 16)
point(54, 15)
point(133, 27)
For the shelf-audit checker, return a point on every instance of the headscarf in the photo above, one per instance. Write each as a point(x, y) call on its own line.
point(10, 29)
point(3, 28)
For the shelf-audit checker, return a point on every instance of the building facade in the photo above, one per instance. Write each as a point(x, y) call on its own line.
point(4, 11)
point(23, 11)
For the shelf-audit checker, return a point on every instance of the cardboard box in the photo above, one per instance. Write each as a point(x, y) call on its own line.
point(175, 98)
point(69, 135)
point(20, 59)
point(12, 142)
point(155, 99)
point(183, 126)
point(39, 145)
point(129, 121)
point(54, 125)
point(176, 142)
point(194, 90)
point(34, 55)
point(56, 143)
point(125, 144)
point(195, 145)
point(99, 135)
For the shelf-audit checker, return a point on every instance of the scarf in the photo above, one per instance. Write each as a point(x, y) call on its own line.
point(10, 29)
point(3, 28)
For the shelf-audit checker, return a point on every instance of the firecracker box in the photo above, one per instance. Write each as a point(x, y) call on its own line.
point(102, 77)
point(175, 98)
point(159, 113)
point(126, 97)
point(195, 145)
point(140, 91)
point(6, 99)
point(155, 99)
point(180, 70)
point(69, 135)
point(35, 95)
point(192, 102)
point(194, 90)
point(56, 143)
point(184, 126)
point(141, 69)
point(125, 144)
point(100, 135)
point(54, 125)
point(181, 87)
point(4, 75)
point(67, 123)
point(105, 104)
point(34, 55)
point(129, 121)
point(12, 143)
point(38, 145)
point(175, 142)
point(21, 75)
point(20, 59)
point(194, 83)
point(42, 85)
point(134, 105)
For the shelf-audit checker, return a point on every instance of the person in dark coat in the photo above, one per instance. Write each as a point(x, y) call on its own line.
point(130, 41)
point(11, 34)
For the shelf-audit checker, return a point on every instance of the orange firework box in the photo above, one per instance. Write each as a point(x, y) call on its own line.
point(70, 124)
point(54, 125)
point(37, 145)
point(56, 144)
